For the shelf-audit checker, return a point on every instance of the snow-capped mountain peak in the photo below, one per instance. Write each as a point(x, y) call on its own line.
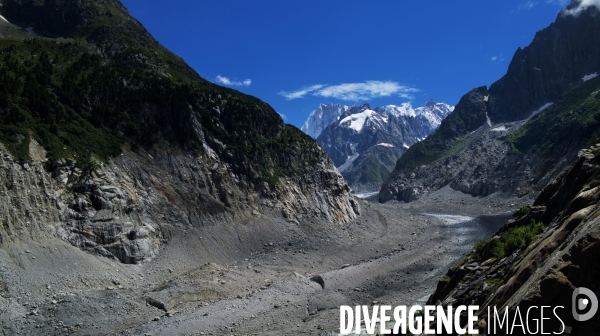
point(357, 121)
point(364, 143)
point(434, 112)
point(405, 109)
point(323, 116)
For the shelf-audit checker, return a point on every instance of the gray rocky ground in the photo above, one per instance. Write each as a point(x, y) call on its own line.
point(201, 282)
point(132, 254)
point(394, 254)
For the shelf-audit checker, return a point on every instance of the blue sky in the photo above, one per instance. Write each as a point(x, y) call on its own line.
point(297, 54)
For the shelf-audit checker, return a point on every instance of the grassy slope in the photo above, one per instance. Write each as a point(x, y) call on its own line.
point(570, 122)
point(108, 82)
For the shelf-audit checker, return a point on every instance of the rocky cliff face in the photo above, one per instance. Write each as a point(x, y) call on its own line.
point(468, 116)
point(550, 82)
point(128, 207)
point(132, 147)
point(539, 257)
point(557, 60)
point(515, 158)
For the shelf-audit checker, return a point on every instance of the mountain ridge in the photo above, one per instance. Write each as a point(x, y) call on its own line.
point(496, 107)
point(365, 143)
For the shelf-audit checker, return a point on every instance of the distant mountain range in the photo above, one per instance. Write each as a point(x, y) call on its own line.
point(365, 143)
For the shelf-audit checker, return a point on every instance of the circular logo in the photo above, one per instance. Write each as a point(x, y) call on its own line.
point(584, 303)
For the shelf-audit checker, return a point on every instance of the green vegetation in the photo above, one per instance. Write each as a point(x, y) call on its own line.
point(565, 125)
point(374, 169)
point(101, 82)
point(36, 99)
point(460, 263)
point(478, 245)
point(569, 123)
point(493, 282)
point(421, 153)
point(594, 139)
point(76, 104)
point(516, 237)
point(523, 211)
point(290, 154)
point(79, 105)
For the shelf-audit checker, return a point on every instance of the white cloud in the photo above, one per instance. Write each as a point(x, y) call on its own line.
point(355, 91)
point(302, 92)
point(283, 116)
point(497, 58)
point(560, 3)
point(529, 4)
point(583, 5)
point(227, 81)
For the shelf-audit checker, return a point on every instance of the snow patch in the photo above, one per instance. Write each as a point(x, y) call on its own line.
point(499, 129)
point(385, 144)
point(538, 69)
point(402, 110)
point(452, 219)
point(348, 162)
point(545, 106)
point(489, 121)
point(590, 76)
point(3, 18)
point(357, 121)
point(405, 146)
point(365, 195)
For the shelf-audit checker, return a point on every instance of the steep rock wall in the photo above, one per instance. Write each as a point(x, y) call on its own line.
point(129, 206)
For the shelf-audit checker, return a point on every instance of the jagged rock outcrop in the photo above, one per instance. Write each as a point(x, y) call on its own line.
point(540, 269)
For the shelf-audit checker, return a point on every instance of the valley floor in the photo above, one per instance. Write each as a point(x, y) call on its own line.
point(393, 254)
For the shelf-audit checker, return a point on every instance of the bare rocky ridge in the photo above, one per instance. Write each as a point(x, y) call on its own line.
point(556, 61)
point(480, 164)
point(514, 157)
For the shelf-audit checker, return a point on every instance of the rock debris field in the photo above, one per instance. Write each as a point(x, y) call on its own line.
point(393, 254)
